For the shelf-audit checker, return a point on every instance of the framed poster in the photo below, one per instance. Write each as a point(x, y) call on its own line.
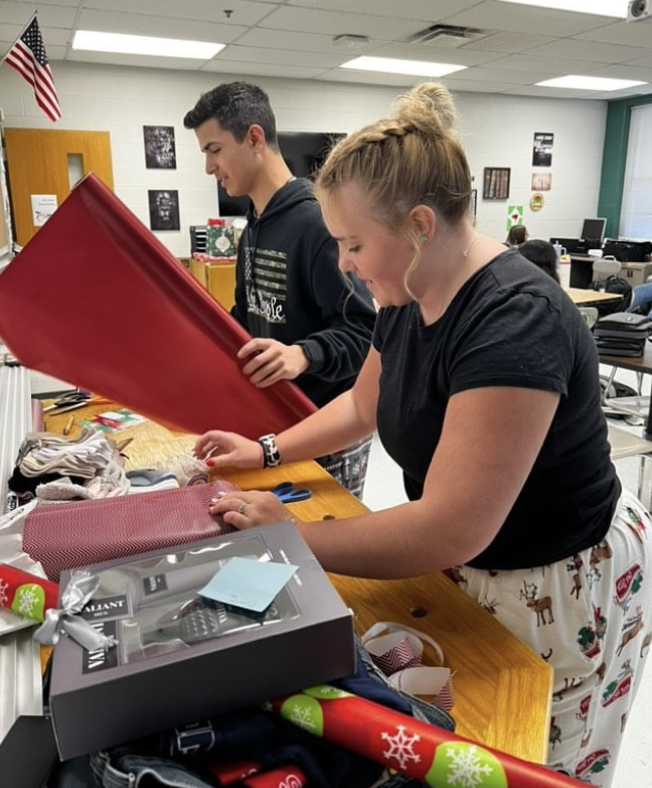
point(542, 149)
point(496, 183)
point(541, 181)
point(163, 209)
point(160, 151)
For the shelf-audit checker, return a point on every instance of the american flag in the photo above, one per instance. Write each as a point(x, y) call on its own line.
point(29, 59)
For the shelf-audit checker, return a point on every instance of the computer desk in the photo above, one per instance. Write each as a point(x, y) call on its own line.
point(582, 297)
point(502, 688)
point(639, 364)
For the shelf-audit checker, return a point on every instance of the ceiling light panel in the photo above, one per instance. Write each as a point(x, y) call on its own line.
point(612, 8)
point(387, 65)
point(577, 82)
point(144, 45)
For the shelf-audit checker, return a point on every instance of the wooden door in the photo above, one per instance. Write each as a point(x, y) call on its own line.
point(49, 162)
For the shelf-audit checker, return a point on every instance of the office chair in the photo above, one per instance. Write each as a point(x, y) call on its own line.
point(590, 315)
point(602, 270)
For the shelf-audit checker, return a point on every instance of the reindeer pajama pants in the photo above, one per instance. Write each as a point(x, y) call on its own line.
point(590, 617)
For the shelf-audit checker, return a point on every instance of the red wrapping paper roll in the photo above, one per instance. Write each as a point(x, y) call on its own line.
point(288, 776)
point(249, 773)
point(400, 742)
point(26, 594)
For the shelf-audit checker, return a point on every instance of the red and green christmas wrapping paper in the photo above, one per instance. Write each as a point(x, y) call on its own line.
point(26, 594)
point(407, 745)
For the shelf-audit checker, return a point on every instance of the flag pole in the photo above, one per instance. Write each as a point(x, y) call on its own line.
point(19, 36)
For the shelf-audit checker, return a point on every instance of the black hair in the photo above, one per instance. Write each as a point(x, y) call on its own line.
point(517, 235)
point(542, 254)
point(236, 106)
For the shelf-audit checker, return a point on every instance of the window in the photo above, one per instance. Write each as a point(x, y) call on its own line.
point(636, 211)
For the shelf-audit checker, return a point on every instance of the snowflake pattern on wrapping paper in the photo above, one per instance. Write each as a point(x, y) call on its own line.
point(400, 746)
point(467, 769)
point(3, 593)
point(28, 601)
point(302, 717)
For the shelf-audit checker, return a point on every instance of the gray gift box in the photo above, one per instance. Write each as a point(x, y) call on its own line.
point(180, 657)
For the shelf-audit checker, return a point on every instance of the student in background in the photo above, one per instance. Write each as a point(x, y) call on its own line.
point(483, 383)
point(311, 324)
point(517, 235)
point(542, 254)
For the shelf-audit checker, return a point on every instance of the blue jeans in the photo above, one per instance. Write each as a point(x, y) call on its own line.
point(642, 299)
point(123, 769)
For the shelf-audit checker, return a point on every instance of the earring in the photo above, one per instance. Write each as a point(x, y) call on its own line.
point(424, 239)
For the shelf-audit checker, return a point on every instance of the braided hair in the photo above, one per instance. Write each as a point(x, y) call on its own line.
point(410, 158)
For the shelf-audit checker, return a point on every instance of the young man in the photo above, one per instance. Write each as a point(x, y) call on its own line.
point(311, 324)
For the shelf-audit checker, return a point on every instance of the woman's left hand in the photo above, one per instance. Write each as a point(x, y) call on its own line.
point(249, 509)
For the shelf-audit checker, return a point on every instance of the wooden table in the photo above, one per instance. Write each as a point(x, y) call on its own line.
point(582, 297)
point(502, 688)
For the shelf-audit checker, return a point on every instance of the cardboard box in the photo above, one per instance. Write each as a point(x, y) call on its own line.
point(168, 668)
point(635, 273)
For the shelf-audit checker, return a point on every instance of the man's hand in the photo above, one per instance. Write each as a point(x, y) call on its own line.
point(269, 361)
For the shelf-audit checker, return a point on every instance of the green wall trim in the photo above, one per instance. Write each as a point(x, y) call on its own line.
point(614, 160)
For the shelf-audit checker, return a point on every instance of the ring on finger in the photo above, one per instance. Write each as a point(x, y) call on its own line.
point(241, 508)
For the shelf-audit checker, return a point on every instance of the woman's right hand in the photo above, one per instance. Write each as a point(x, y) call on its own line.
point(228, 448)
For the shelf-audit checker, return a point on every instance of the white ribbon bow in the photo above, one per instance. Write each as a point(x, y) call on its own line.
point(66, 620)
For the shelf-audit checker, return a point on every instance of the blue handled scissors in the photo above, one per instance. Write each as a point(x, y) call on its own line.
point(288, 493)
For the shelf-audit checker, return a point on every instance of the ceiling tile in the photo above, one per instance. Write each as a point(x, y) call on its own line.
point(294, 39)
point(260, 56)
point(336, 23)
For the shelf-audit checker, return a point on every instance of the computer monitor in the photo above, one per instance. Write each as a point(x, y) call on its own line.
point(593, 232)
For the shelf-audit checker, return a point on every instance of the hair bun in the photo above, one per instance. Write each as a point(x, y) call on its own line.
point(426, 103)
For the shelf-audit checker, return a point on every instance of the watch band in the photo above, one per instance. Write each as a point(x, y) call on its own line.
point(271, 455)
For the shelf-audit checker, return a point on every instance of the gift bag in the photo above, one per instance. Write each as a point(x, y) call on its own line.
point(398, 651)
point(220, 240)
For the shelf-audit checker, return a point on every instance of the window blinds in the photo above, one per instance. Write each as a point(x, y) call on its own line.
point(636, 211)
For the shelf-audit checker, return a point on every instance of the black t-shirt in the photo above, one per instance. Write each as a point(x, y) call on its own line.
point(509, 325)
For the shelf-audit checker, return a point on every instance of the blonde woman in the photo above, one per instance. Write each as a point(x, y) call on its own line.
point(483, 385)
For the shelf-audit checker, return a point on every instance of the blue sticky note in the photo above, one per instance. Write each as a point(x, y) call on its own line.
point(246, 583)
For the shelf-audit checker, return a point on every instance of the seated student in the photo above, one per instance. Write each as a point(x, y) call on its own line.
point(541, 253)
point(641, 299)
point(517, 235)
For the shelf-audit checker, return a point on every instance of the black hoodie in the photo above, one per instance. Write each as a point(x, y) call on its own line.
point(289, 288)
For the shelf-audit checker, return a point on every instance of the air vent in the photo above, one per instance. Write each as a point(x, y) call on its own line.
point(446, 35)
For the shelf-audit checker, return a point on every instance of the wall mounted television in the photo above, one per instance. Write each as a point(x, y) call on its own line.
point(304, 152)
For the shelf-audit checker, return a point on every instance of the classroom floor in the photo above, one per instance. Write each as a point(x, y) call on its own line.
point(384, 488)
